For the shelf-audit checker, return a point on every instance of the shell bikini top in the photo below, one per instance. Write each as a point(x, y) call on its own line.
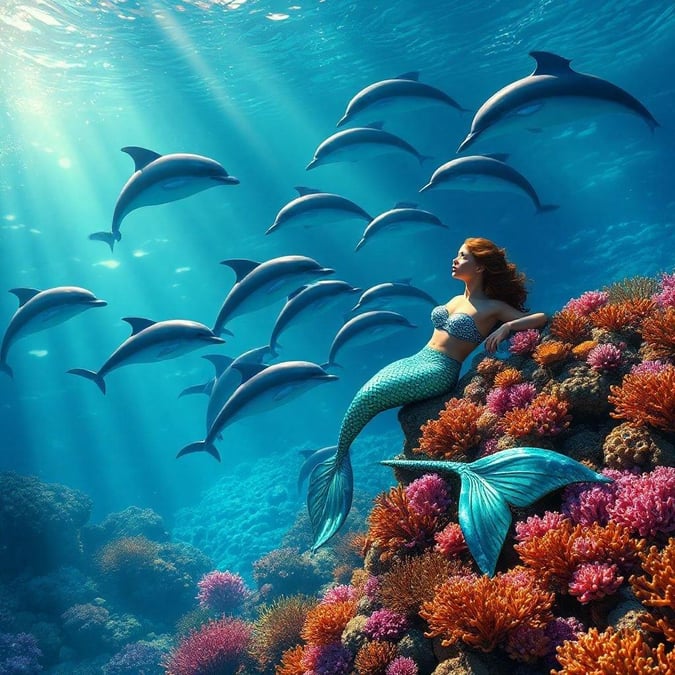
point(458, 324)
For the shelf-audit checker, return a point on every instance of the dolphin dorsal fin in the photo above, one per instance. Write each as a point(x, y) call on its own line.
point(240, 266)
point(499, 156)
point(297, 291)
point(24, 294)
point(550, 64)
point(248, 369)
point(303, 191)
point(405, 205)
point(141, 156)
point(412, 75)
point(220, 362)
point(406, 280)
point(138, 323)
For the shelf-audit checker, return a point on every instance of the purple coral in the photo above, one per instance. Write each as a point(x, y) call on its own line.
point(528, 643)
point(402, 665)
point(135, 658)
point(586, 503)
point(587, 302)
point(592, 581)
point(331, 659)
point(666, 296)
point(19, 654)
point(502, 399)
point(524, 342)
point(428, 495)
point(648, 367)
point(605, 358)
point(222, 592)
point(385, 624)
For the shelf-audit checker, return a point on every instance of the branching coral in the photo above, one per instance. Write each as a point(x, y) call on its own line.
point(325, 622)
point(385, 624)
point(621, 316)
point(508, 377)
point(546, 415)
point(374, 657)
point(665, 296)
point(613, 653)
point(454, 433)
point(396, 528)
point(656, 589)
point(632, 288)
point(278, 628)
point(428, 495)
point(482, 612)
point(450, 540)
point(551, 352)
point(646, 398)
point(569, 326)
point(524, 342)
point(658, 332)
point(412, 581)
point(291, 662)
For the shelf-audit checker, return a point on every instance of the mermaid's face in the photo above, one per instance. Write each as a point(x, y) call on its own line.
point(464, 264)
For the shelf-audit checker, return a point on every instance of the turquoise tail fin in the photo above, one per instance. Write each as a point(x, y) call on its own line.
point(519, 476)
point(329, 498)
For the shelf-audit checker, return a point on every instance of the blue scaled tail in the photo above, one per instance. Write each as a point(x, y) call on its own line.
point(329, 497)
point(516, 477)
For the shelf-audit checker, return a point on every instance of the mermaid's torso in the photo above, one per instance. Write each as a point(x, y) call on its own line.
point(457, 324)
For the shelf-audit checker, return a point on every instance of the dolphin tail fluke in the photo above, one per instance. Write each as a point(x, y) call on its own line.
point(108, 237)
point(89, 375)
point(200, 446)
point(518, 477)
point(547, 208)
point(329, 498)
point(424, 158)
point(197, 389)
point(6, 369)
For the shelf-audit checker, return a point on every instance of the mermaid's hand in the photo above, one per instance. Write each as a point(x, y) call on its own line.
point(493, 340)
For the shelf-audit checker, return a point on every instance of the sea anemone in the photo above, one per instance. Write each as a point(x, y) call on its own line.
point(385, 624)
point(428, 495)
point(569, 326)
point(508, 377)
point(324, 623)
point(450, 540)
point(373, 658)
point(222, 592)
point(592, 581)
point(587, 302)
point(605, 358)
point(665, 297)
point(524, 342)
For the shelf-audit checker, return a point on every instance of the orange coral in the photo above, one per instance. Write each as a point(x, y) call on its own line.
point(613, 653)
point(646, 397)
point(482, 611)
point(545, 415)
point(374, 657)
point(394, 527)
point(291, 662)
point(569, 326)
point(656, 589)
point(551, 352)
point(324, 623)
point(581, 350)
point(489, 366)
point(658, 332)
point(454, 432)
point(278, 628)
point(412, 581)
point(508, 377)
point(619, 316)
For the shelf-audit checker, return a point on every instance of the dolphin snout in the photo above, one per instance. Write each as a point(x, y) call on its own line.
point(312, 164)
point(327, 377)
point(227, 180)
point(343, 120)
point(97, 303)
point(214, 339)
point(467, 141)
point(428, 186)
point(326, 270)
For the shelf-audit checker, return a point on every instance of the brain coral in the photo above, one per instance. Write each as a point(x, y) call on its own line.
point(628, 447)
point(586, 391)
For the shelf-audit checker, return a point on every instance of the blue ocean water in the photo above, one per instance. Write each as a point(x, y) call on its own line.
point(257, 85)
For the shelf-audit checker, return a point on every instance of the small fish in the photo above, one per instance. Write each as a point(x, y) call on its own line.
point(364, 328)
point(552, 94)
point(484, 173)
point(404, 217)
point(152, 341)
point(39, 310)
point(359, 143)
point(403, 93)
point(315, 208)
point(318, 297)
point(265, 390)
point(159, 179)
point(516, 477)
point(262, 284)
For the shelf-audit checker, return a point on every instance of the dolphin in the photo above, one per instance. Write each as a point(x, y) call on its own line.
point(152, 341)
point(404, 216)
point(319, 296)
point(262, 284)
point(159, 179)
point(43, 309)
point(314, 207)
point(365, 328)
point(484, 173)
point(552, 94)
point(516, 477)
point(391, 294)
point(265, 390)
point(361, 143)
point(404, 92)
point(220, 363)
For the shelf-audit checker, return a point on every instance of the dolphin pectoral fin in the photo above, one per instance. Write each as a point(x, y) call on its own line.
point(484, 517)
point(89, 375)
point(547, 208)
point(199, 446)
point(6, 369)
point(329, 498)
point(108, 237)
point(141, 156)
point(197, 389)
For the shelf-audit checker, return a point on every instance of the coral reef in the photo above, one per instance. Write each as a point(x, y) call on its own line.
point(222, 592)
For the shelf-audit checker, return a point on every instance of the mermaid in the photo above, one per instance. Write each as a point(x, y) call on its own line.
point(491, 307)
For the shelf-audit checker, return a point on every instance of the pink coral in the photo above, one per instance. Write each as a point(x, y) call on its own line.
point(450, 540)
point(549, 415)
point(605, 358)
point(586, 503)
point(666, 296)
point(222, 592)
point(503, 399)
point(402, 665)
point(385, 624)
point(428, 495)
point(339, 593)
point(587, 302)
point(523, 342)
point(535, 526)
point(592, 581)
point(371, 587)
point(648, 367)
